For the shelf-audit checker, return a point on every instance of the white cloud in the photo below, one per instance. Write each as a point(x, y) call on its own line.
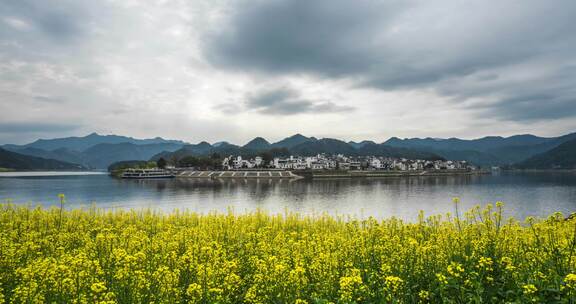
point(16, 23)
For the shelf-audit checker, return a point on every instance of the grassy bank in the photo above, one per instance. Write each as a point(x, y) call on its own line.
point(141, 256)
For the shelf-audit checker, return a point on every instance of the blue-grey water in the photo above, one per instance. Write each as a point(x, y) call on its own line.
point(524, 194)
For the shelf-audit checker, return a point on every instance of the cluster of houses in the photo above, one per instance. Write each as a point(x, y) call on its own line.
point(342, 162)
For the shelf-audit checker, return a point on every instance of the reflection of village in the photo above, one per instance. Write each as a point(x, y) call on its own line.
point(342, 162)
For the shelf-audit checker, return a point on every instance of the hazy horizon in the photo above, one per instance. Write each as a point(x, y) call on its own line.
point(212, 70)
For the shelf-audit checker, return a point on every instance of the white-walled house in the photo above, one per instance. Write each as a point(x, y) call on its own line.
point(342, 162)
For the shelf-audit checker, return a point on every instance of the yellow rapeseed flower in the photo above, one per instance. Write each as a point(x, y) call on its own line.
point(529, 289)
point(441, 278)
point(393, 283)
point(570, 280)
point(98, 287)
point(424, 295)
point(98, 256)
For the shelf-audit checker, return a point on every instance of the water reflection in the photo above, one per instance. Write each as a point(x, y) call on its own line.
point(525, 194)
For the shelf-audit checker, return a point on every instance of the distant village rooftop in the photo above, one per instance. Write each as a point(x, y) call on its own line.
point(342, 162)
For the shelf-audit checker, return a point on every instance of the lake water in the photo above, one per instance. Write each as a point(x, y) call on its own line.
point(524, 194)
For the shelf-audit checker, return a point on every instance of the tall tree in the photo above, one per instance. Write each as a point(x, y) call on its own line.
point(161, 163)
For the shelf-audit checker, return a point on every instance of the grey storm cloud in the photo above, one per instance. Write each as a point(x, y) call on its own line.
point(286, 101)
point(447, 46)
point(326, 37)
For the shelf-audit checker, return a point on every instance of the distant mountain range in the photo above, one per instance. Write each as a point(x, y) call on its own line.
point(99, 151)
point(561, 157)
point(361, 144)
point(293, 141)
point(257, 143)
point(296, 145)
point(491, 150)
point(16, 161)
point(96, 151)
point(82, 143)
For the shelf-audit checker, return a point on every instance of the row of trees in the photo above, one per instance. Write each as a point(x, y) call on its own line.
point(119, 167)
point(215, 160)
point(202, 162)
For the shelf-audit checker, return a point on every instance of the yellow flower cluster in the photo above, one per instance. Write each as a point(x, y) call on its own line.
point(529, 289)
point(570, 280)
point(96, 256)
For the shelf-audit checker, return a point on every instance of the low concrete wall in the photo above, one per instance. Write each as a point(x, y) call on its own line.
point(237, 174)
point(383, 173)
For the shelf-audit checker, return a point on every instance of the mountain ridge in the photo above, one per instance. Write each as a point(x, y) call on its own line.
point(98, 156)
point(484, 151)
point(561, 157)
point(258, 143)
point(488, 150)
point(16, 161)
point(307, 146)
point(81, 143)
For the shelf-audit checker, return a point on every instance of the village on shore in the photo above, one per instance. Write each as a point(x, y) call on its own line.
point(342, 162)
point(319, 166)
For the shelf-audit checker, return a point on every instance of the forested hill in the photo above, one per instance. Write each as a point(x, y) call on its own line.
point(298, 145)
point(561, 157)
point(16, 161)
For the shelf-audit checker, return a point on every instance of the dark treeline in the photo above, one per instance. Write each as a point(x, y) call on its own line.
point(215, 160)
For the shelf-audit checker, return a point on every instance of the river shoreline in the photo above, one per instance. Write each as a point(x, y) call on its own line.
point(384, 174)
point(39, 173)
point(313, 174)
point(540, 170)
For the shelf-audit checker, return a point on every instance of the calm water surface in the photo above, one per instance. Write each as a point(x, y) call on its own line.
point(524, 194)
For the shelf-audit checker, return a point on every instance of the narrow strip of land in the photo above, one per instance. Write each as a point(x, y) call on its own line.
point(320, 173)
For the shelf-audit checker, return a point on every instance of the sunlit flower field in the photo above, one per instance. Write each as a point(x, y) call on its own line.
point(88, 256)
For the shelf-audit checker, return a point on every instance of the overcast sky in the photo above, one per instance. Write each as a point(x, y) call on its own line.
point(232, 70)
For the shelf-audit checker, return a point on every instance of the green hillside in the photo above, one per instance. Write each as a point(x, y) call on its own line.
point(16, 161)
point(561, 157)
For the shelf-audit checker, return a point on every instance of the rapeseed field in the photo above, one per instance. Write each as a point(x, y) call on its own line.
point(96, 256)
